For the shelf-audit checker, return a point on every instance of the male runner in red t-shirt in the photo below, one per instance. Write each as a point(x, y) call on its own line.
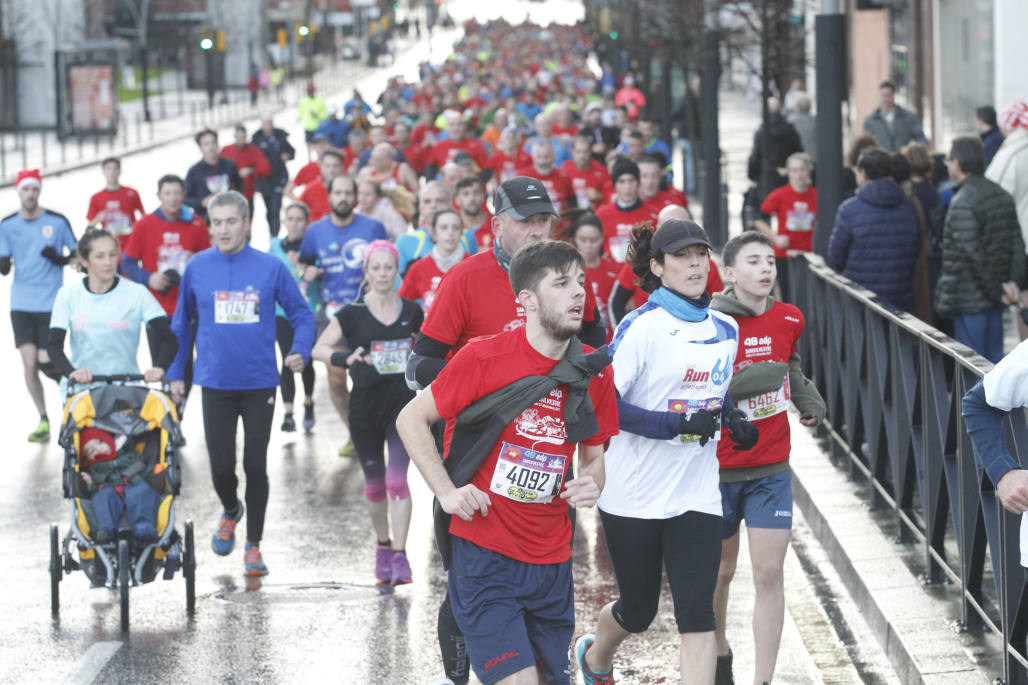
point(310, 171)
point(558, 187)
point(315, 193)
point(116, 207)
point(250, 161)
point(625, 211)
point(476, 299)
point(444, 151)
point(587, 176)
point(756, 484)
point(509, 503)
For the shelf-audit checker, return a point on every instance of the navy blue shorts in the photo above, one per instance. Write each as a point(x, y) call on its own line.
point(514, 615)
point(764, 503)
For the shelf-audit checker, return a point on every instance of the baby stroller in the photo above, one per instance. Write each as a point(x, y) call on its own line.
point(123, 406)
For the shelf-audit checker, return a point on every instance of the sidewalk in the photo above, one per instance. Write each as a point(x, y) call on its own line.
point(42, 149)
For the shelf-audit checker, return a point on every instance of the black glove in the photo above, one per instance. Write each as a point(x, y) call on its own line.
point(50, 252)
point(702, 423)
point(744, 433)
point(173, 276)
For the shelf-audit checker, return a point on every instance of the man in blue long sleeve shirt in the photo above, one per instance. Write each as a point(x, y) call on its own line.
point(985, 406)
point(231, 290)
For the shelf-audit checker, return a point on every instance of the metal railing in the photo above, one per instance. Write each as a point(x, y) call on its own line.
point(893, 387)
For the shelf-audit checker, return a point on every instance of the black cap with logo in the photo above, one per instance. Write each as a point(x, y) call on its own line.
point(522, 197)
point(674, 235)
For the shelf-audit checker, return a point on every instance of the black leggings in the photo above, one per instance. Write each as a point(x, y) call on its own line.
point(688, 546)
point(221, 412)
point(284, 336)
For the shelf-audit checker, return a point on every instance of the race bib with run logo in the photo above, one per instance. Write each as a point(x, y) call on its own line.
point(525, 475)
point(390, 356)
point(237, 306)
point(767, 404)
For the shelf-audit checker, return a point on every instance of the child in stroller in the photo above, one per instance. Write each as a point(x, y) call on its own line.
point(117, 482)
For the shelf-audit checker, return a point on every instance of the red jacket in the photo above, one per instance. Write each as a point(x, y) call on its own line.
point(248, 157)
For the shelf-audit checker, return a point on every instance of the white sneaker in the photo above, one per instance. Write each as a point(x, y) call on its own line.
point(441, 681)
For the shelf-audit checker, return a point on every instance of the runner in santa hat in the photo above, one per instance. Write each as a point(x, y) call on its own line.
point(39, 242)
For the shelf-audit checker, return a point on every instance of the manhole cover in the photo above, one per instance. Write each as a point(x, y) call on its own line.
point(301, 593)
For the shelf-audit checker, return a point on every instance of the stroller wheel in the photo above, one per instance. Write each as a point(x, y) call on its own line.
point(56, 571)
point(124, 568)
point(189, 569)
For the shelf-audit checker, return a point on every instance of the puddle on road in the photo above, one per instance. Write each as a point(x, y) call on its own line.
point(303, 593)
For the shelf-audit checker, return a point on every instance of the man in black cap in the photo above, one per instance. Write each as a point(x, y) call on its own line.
point(625, 211)
point(476, 299)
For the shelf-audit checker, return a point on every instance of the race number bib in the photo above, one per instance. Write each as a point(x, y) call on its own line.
point(172, 257)
point(767, 404)
point(619, 248)
point(688, 407)
point(390, 356)
point(218, 183)
point(524, 475)
point(237, 306)
point(799, 220)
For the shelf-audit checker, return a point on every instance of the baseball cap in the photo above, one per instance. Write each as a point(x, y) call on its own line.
point(521, 197)
point(677, 234)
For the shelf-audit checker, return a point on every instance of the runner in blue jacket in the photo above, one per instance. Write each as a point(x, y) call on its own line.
point(231, 290)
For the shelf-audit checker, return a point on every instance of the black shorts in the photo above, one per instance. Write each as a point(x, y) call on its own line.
point(30, 328)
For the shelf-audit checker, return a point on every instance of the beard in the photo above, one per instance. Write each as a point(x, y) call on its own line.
point(552, 321)
point(342, 211)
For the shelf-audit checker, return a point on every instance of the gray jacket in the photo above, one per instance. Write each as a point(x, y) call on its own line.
point(906, 127)
point(805, 124)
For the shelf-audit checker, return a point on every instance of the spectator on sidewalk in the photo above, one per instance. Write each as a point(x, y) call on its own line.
point(876, 238)
point(983, 258)
point(920, 161)
point(1009, 168)
point(781, 141)
point(250, 162)
point(274, 143)
point(988, 131)
point(805, 123)
point(891, 125)
point(116, 207)
point(213, 174)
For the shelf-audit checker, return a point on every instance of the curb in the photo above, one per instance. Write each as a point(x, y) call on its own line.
point(913, 628)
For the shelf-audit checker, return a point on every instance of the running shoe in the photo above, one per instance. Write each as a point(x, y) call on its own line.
point(590, 677)
point(347, 450)
point(308, 417)
point(288, 424)
point(442, 681)
point(384, 563)
point(723, 672)
point(253, 563)
point(225, 539)
point(401, 569)
point(42, 432)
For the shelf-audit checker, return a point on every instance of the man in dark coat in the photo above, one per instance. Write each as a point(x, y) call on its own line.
point(781, 141)
point(983, 260)
point(988, 130)
point(876, 238)
point(274, 143)
point(891, 125)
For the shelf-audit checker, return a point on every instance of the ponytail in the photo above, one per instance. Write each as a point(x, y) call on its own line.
point(639, 254)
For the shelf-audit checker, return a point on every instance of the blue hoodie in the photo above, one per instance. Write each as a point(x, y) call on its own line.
point(233, 297)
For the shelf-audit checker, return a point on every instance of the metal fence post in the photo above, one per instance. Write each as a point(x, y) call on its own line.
point(24, 152)
point(42, 145)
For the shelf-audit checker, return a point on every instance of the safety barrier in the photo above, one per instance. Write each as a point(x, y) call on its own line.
point(893, 387)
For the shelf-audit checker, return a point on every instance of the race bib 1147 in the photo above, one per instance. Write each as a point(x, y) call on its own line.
point(237, 306)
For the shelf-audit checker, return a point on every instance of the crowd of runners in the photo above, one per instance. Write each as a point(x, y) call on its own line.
point(494, 265)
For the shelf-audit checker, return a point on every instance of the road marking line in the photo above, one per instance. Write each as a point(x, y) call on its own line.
point(94, 660)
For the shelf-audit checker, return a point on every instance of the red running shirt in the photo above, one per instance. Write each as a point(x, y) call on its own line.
point(617, 226)
point(505, 167)
point(557, 185)
point(308, 173)
point(797, 215)
point(161, 245)
point(529, 462)
point(595, 176)
point(445, 150)
point(602, 279)
point(422, 281)
point(123, 207)
point(770, 337)
point(315, 196)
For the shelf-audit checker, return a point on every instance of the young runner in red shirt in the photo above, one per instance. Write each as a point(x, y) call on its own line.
point(600, 270)
point(424, 276)
point(794, 207)
point(508, 503)
point(756, 485)
point(625, 211)
point(315, 193)
point(475, 299)
point(588, 177)
point(116, 207)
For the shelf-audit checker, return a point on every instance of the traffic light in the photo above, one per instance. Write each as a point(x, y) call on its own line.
point(303, 31)
point(219, 40)
point(206, 43)
point(613, 35)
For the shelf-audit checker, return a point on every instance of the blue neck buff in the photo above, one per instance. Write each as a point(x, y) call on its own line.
point(680, 306)
point(502, 258)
